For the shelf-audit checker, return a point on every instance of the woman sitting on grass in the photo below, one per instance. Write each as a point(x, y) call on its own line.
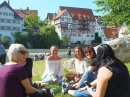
point(13, 76)
point(112, 77)
point(81, 65)
point(53, 71)
point(90, 74)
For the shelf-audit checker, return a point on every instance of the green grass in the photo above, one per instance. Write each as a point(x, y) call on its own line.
point(39, 67)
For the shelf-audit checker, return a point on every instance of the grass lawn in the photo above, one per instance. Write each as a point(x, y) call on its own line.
point(39, 67)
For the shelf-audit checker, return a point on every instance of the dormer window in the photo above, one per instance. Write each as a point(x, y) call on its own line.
point(115, 34)
point(73, 16)
point(84, 17)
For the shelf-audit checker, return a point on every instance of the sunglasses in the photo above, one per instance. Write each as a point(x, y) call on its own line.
point(22, 52)
point(88, 52)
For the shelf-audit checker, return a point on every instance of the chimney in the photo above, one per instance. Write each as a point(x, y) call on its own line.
point(8, 2)
point(27, 8)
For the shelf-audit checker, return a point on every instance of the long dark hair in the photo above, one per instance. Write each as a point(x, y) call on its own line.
point(92, 49)
point(106, 57)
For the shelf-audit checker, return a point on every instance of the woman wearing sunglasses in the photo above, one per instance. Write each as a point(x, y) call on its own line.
point(112, 77)
point(81, 65)
point(13, 77)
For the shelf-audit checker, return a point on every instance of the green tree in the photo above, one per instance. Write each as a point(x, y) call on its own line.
point(6, 40)
point(49, 36)
point(65, 40)
point(32, 21)
point(19, 38)
point(116, 11)
point(97, 38)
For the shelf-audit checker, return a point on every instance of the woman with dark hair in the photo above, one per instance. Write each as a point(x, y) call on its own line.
point(90, 74)
point(81, 65)
point(112, 77)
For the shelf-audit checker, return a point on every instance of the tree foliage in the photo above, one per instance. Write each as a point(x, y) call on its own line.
point(65, 40)
point(97, 38)
point(116, 11)
point(49, 36)
point(6, 40)
point(32, 21)
point(19, 38)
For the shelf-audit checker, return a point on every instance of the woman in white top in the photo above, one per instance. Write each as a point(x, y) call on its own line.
point(81, 65)
point(53, 71)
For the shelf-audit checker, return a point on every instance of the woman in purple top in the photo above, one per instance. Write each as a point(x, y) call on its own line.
point(13, 77)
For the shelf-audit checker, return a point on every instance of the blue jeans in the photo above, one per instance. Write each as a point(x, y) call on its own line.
point(48, 79)
point(69, 55)
point(84, 93)
point(88, 76)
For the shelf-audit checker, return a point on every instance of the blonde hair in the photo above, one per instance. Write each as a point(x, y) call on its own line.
point(13, 51)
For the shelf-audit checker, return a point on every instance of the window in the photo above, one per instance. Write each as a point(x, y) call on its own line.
point(104, 39)
point(10, 14)
point(17, 28)
point(5, 13)
point(62, 19)
point(108, 39)
point(2, 20)
point(73, 30)
point(74, 34)
point(14, 28)
point(79, 35)
point(0, 13)
point(8, 20)
point(87, 35)
point(14, 21)
point(74, 21)
point(91, 35)
point(17, 21)
point(8, 28)
point(2, 27)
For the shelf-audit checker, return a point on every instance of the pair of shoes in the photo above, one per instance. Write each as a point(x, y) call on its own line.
point(65, 88)
point(53, 90)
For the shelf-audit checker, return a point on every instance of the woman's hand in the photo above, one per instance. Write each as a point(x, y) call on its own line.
point(90, 89)
point(81, 89)
point(77, 78)
point(55, 80)
point(45, 91)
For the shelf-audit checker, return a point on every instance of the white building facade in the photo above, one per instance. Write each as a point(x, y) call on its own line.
point(76, 26)
point(10, 22)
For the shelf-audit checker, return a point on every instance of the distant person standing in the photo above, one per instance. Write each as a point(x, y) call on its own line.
point(69, 52)
point(2, 54)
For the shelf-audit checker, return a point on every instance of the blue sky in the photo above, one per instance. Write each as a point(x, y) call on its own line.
point(50, 6)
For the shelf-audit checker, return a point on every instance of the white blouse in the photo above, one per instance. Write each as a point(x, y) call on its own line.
point(83, 66)
point(53, 67)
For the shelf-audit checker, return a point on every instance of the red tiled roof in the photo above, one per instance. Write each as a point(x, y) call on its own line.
point(111, 33)
point(78, 13)
point(24, 13)
point(60, 14)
